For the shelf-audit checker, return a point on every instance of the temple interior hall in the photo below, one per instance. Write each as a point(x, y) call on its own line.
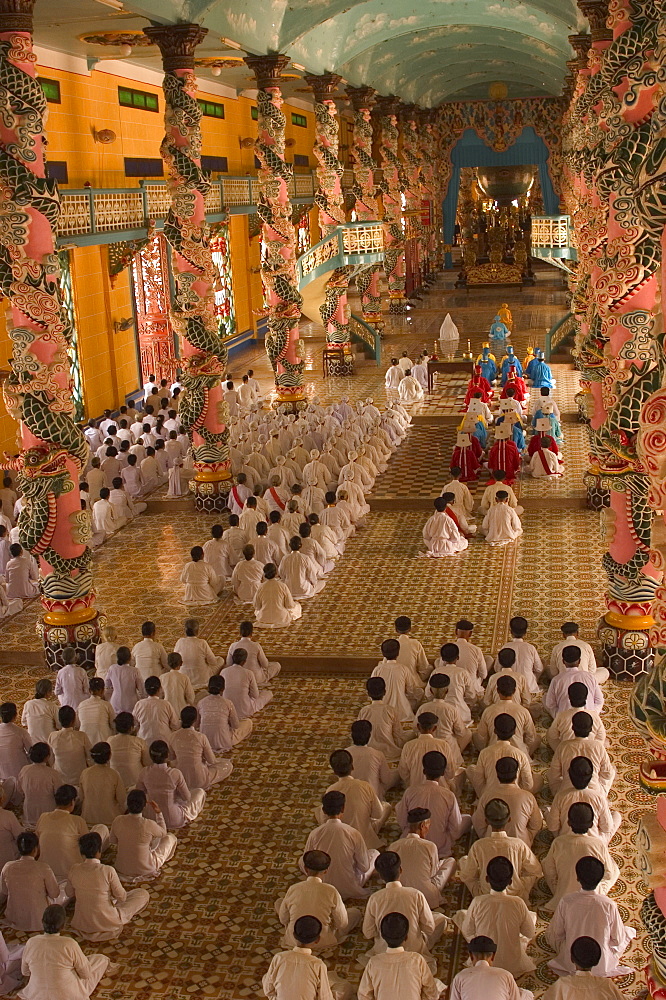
point(388, 277)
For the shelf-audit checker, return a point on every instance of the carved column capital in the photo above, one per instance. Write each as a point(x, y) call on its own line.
point(361, 97)
point(408, 112)
point(596, 11)
point(386, 106)
point(581, 44)
point(268, 69)
point(177, 43)
point(323, 86)
point(16, 15)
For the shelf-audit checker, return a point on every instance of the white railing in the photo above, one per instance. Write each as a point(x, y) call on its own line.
point(551, 231)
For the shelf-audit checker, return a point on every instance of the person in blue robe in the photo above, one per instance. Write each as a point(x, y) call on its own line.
point(517, 433)
point(499, 330)
point(510, 361)
point(555, 426)
point(488, 365)
point(541, 375)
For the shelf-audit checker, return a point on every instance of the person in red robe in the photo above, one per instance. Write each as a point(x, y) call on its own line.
point(542, 440)
point(466, 456)
point(518, 383)
point(478, 383)
point(504, 454)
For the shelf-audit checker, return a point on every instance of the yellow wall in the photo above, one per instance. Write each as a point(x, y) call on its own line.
point(89, 103)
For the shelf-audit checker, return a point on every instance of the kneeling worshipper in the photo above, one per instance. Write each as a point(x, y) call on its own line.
point(478, 383)
point(509, 361)
point(487, 363)
point(448, 332)
point(540, 373)
point(504, 453)
point(409, 390)
point(517, 383)
point(202, 584)
point(499, 330)
point(584, 984)
point(481, 979)
point(546, 409)
point(440, 532)
point(467, 457)
point(57, 967)
point(544, 454)
point(300, 975)
point(501, 524)
point(274, 605)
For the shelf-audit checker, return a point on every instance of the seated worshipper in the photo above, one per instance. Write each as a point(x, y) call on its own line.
point(460, 687)
point(352, 863)
point(584, 984)
point(233, 539)
point(446, 822)
point(421, 866)
point(106, 651)
point(354, 495)
point(120, 498)
point(363, 809)
point(448, 331)
point(38, 783)
point(470, 656)
point(241, 688)
point(248, 519)
point(410, 767)
point(528, 662)
point(526, 819)
point(101, 789)
point(325, 537)
point(441, 534)
point(277, 497)
point(496, 484)
point(143, 846)
point(314, 897)
point(71, 747)
point(561, 727)
point(149, 655)
point(59, 832)
point(202, 584)
point(106, 518)
point(546, 410)
point(505, 916)
point(450, 725)
point(388, 736)
point(238, 494)
point(369, 764)
point(556, 698)
point(393, 377)
point(582, 744)
point(176, 685)
point(15, 742)
point(56, 966)
point(504, 453)
point(199, 660)
point(587, 659)
point(463, 499)
point(501, 524)
point(517, 434)
point(476, 384)
point(132, 477)
point(480, 978)
point(473, 867)
point(545, 459)
point(483, 774)
point(420, 373)
point(466, 457)
point(265, 548)
point(21, 574)
point(166, 786)
point(402, 691)
point(459, 519)
point(257, 661)
point(247, 577)
point(123, 684)
point(71, 685)
point(129, 753)
point(102, 904)
point(410, 390)
point(525, 737)
point(299, 572)
point(505, 314)
point(509, 360)
point(28, 886)
point(396, 972)
point(488, 363)
point(560, 862)
point(314, 550)
point(154, 715)
point(589, 912)
point(474, 423)
point(299, 973)
point(40, 714)
point(218, 719)
point(425, 927)
point(216, 552)
point(583, 787)
point(514, 382)
point(540, 373)
point(499, 330)
point(194, 755)
point(274, 605)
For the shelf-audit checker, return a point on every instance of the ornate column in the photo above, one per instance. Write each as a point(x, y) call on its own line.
point(391, 189)
point(203, 411)
point(330, 203)
point(365, 197)
point(429, 187)
point(411, 159)
point(278, 270)
point(38, 392)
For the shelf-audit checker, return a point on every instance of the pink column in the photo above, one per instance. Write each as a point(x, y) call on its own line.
point(391, 188)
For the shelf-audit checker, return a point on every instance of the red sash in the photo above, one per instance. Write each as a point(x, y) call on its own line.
point(276, 498)
point(237, 499)
point(454, 519)
point(547, 468)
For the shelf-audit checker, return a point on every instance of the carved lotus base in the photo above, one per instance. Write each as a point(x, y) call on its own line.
point(598, 496)
point(210, 496)
point(82, 636)
point(627, 653)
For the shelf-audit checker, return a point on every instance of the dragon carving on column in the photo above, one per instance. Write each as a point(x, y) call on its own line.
point(411, 157)
point(364, 191)
point(391, 189)
point(203, 412)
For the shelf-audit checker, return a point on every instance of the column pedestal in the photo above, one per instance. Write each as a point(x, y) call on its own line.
point(598, 496)
point(79, 630)
point(625, 639)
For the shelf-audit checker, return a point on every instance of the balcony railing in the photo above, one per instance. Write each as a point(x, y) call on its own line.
point(355, 243)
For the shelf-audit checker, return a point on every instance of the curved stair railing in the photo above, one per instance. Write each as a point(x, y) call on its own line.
point(355, 244)
point(364, 333)
point(561, 332)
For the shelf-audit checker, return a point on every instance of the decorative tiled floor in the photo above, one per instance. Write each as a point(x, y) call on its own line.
point(210, 929)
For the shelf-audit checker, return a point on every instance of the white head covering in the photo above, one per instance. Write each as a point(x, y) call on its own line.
point(348, 474)
point(543, 425)
point(469, 422)
point(475, 406)
point(546, 405)
point(314, 454)
point(463, 440)
point(280, 460)
point(503, 431)
point(310, 478)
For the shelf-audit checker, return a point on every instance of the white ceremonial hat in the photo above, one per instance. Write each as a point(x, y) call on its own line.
point(463, 440)
point(543, 425)
point(503, 431)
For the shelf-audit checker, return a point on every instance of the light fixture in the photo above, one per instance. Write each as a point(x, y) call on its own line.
point(216, 70)
point(120, 325)
point(227, 41)
point(126, 50)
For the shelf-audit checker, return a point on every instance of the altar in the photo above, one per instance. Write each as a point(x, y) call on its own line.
point(449, 366)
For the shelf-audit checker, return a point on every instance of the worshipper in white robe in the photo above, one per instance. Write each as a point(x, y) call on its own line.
point(132, 477)
point(56, 966)
point(202, 584)
point(425, 927)
point(274, 605)
point(106, 519)
point(40, 714)
point(420, 373)
point(405, 362)
point(450, 722)
point(167, 787)
point(441, 535)
point(59, 832)
point(217, 553)
point(334, 517)
point(101, 789)
point(176, 685)
point(504, 916)
point(149, 655)
point(194, 755)
point(584, 984)
point(155, 716)
point(38, 783)
point(21, 574)
point(421, 865)
point(410, 390)
point(10, 828)
point(490, 493)
point(265, 548)
point(71, 685)
point(247, 577)
point(525, 736)
point(481, 980)
point(545, 463)
point(299, 973)
point(501, 524)
point(299, 572)
point(315, 898)
point(526, 868)
point(482, 774)
point(396, 972)
point(143, 845)
point(363, 809)
point(526, 819)
point(388, 736)
point(123, 684)
point(15, 741)
point(129, 753)
point(218, 719)
point(241, 686)
point(559, 865)
point(352, 862)
point(122, 501)
point(28, 886)
point(238, 494)
point(464, 501)
point(8, 607)
point(102, 904)
point(106, 650)
point(402, 692)
point(588, 661)
point(581, 745)
point(199, 660)
point(95, 714)
point(583, 788)
point(410, 767)
point(556, 698)
point(587, 912)
point(393, 377)
point(257, 661)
